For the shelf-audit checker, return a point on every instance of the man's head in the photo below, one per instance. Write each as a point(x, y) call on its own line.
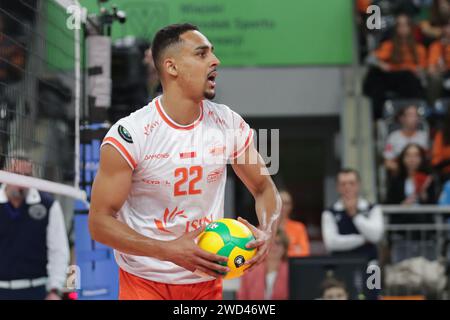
point(185, 57)
point(409, 118)
point(348, 183)
point(333, 289)
point(18, 163)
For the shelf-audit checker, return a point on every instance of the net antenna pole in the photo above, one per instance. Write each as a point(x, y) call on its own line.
point(77, 55)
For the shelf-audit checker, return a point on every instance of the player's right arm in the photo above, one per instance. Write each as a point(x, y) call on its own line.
point(110, 189)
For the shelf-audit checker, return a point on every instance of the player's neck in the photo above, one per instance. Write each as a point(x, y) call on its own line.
point(182, 110)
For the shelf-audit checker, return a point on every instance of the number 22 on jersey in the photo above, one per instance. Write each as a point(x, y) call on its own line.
point(189, 176)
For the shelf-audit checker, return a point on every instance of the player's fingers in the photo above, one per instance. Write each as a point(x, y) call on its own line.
point(212, 266)
point(248, 224)
point(194, 234)
point(255, 243)
point(260, 255)
point(210, 256)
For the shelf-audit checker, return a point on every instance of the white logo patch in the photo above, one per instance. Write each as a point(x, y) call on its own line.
point(37, 211)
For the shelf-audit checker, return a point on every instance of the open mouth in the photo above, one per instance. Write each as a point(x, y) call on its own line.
point(212, 79)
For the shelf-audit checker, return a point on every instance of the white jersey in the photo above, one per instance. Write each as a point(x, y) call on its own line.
point(179, 175)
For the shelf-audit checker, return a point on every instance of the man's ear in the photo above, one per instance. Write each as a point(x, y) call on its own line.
point(170, 66)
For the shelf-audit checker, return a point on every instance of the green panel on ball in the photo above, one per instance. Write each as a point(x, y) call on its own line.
point(241, 242)
point(221, 229)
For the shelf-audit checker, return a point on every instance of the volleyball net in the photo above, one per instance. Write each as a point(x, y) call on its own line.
point(40, 95)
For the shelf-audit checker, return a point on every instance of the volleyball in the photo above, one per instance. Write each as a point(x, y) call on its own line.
point(228, 237)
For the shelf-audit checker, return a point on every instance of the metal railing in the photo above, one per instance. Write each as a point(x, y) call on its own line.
point(413, 234)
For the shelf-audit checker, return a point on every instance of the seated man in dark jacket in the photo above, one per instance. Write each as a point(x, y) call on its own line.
point(352, 226)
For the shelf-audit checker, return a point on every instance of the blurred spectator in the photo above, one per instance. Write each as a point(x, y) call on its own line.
point(440, 157)
point(413, 184)
point(361, 19)
point(432, 28)
point(12, 55)
point(268, 280)
point(397, 66)
point(153, 84)
point(333, 289)
point(33, 241)
point(352, 225)
point(295, 230)
point(408, 133)
point(439, 66)
point(12, 64)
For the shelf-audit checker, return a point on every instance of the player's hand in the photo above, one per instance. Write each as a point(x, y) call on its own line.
point(187, 254)
point(263, 241)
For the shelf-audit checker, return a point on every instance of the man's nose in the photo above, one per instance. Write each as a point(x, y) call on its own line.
point(215, 61)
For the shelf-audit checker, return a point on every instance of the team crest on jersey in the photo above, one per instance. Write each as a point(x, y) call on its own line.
point(125, 134)
point(37, 211)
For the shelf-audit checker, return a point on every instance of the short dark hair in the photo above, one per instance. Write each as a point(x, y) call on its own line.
point(348, 170)
point(168, 36)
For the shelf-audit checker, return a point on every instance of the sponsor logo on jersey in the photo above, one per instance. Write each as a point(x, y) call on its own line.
point(156, 156)
point(217, 150)
point(150, 127)
point(198, 223)
point(170, 216)
point(156, 182)
point(215, 175)
point(124, 134)
point(187, 155)
point(216, 118)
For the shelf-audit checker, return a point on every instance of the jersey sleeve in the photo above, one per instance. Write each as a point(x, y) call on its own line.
point(123, 138)
point(242, 136)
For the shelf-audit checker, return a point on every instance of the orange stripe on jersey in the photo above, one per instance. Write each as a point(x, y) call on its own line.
point(121, 148)
point(173, 124)
point(246, 144)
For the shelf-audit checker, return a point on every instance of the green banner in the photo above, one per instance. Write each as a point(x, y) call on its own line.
point(251, 32)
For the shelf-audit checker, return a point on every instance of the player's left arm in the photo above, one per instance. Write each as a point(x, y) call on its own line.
point(256, 178)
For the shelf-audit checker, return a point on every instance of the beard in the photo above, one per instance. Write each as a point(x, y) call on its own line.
point(209, 95)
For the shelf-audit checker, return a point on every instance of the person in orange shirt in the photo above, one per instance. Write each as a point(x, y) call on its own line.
point(295, 230)
point(440, 159)
point(439, 65)
point(397, 67)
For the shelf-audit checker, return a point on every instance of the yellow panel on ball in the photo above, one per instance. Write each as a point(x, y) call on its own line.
point(210, 241)
point(237, 228)
point(236, 261)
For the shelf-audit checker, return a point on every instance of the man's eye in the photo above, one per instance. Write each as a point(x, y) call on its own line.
point(202, 54)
